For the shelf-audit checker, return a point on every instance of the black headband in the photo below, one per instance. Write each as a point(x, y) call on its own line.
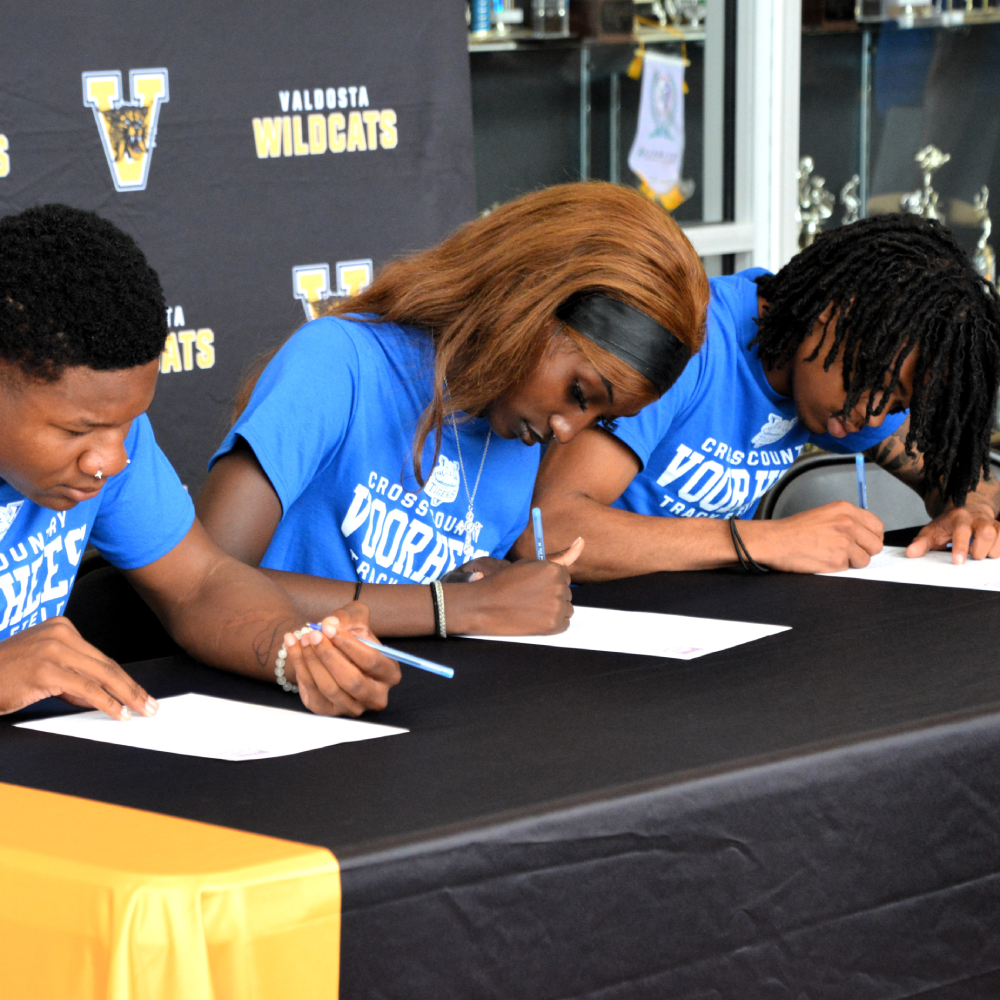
point(652, 350)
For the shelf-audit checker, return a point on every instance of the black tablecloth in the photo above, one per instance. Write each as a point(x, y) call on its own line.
point(815, 814)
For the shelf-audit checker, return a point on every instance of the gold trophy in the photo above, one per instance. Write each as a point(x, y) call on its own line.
point(815, 203)
point(985, 258)
point(925, 201)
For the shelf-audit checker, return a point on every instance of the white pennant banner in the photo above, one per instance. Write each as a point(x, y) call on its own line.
point(657, 152)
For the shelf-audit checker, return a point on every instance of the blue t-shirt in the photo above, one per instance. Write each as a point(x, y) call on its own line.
point(332, 421)
point(721, 436)
point(139, 516)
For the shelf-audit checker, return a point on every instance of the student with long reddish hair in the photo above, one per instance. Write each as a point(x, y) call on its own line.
point(391, 440)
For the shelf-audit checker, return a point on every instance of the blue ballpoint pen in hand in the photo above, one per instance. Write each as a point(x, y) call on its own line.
point(536, 523)
point(397, 654)
point(859, 462)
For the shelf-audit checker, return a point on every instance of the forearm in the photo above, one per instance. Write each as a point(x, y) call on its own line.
point(403, 609)
point(235, 619)
point(620, 543)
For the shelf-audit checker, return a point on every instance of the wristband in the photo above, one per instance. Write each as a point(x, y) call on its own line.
point(357, 590)
point(747, 562)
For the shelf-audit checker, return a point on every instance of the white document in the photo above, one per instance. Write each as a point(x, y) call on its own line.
point(644, 633)
point(200, 726)
point(933, 570)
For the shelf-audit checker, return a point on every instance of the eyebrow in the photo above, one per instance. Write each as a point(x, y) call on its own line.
point(87, 424)
point(610, 388)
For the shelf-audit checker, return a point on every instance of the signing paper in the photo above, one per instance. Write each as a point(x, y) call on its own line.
point(644, 633)
point(200, 726)
point(933, 570)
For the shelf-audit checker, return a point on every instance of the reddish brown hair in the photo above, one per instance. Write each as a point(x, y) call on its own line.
point(488, 294)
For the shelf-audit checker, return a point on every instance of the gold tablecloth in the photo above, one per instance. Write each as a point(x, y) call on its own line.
point(100, 901)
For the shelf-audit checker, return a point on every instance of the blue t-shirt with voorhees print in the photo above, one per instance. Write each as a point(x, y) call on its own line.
point(137, 517)
point(721, 437)
point(332, 420)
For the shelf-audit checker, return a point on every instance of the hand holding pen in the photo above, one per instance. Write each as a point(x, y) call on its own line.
point(336, 669)
point(499, 597)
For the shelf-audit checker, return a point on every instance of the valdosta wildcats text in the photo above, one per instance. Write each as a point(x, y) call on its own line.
point(324, 127)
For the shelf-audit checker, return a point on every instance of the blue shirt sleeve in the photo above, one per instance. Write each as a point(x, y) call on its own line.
point(301, 407)
point(861, 440)
point(145, 511)
point(643, 432)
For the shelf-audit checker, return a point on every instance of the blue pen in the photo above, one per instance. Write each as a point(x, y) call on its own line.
point(859, 461)
point(536, 523)
point(397, 654)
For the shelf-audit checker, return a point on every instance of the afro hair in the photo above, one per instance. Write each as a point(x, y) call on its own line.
point(75, 290)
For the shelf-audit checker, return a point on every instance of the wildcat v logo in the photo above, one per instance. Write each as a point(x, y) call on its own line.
point(127, 128)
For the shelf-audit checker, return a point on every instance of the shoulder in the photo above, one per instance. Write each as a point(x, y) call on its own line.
point(734, 297)
point(327, 338)
point(354, 343)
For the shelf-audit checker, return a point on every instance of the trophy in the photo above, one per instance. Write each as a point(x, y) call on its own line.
point(815, 203)
point(985, 258)
point(851, 201)
point(925, 201)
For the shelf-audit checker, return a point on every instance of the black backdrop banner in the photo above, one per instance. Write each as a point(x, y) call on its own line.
point(263, 155)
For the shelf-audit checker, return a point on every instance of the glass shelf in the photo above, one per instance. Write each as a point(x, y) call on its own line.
point(521, 38)
point(917, 18)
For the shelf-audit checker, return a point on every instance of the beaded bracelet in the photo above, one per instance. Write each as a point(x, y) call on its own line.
point(437, 596)
point(279, 665)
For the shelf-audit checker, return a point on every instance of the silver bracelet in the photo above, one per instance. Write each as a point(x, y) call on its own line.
point(279, 665)
point(437, 595)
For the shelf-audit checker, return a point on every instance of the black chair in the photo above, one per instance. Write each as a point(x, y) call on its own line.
point(821, 479)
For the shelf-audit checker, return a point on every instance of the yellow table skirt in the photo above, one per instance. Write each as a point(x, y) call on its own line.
point(100, 901)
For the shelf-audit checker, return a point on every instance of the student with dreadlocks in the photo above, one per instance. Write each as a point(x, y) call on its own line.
point(880, 337)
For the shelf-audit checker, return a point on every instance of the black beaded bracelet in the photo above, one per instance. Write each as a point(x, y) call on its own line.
point(747, 561)
point(437, 596)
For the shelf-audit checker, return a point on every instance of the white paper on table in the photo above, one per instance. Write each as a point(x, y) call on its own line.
point(933, 570)
point(644, 633)
point(200, 726)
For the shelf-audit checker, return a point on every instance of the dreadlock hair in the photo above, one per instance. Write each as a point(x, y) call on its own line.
point(75, 290)
point(895, 284)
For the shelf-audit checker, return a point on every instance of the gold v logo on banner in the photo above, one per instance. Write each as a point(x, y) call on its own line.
point(311, 282)
point(127, 128)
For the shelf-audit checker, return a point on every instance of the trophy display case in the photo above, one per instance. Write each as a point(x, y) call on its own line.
point(901, 111)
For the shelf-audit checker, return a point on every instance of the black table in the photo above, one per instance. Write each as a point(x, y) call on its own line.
point(815, 814)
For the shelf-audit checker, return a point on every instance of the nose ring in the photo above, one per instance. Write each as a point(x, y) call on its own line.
point(98, 474)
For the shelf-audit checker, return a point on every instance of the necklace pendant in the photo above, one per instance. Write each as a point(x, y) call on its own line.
point(467, 549)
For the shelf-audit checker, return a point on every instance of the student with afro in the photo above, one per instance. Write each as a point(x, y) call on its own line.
point(880, 337)
point(82, 325)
